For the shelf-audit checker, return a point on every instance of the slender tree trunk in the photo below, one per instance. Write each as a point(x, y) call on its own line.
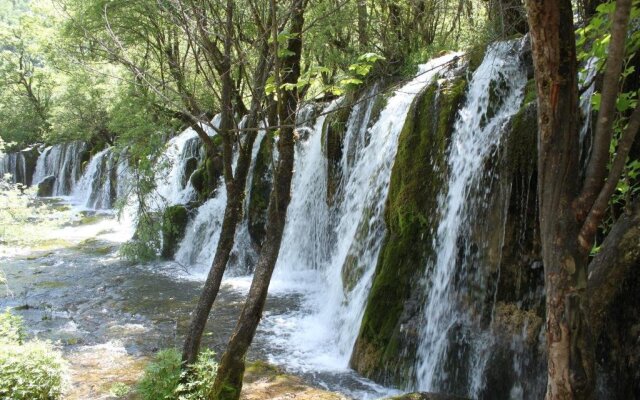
point(228, 383)
point(570, 371)
point(232, 215)
point(363, 19)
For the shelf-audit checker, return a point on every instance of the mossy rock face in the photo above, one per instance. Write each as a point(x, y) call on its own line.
point(388, 335)
point(206, 177)
point(333, 131)
point(190, 166)
point(260, 191)
point(174, 224)
point(30, 160)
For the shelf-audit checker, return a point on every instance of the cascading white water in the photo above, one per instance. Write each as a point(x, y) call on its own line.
point(172, 184)
point(97, 189)
point(197, 249)
point(495, 94)
point(64, 161)
point(588, 84)
point(324, 244)
point(13, 164)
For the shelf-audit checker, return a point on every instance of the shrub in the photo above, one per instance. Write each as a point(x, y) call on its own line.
point(31, 370)
point(161, 380)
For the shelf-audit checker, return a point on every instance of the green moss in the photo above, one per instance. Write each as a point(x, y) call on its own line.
point(530, 92)
point(416, 181)
point(206, 176)
point(260, 191)
point(475, 55)
point(522, 140)
point(174, 224)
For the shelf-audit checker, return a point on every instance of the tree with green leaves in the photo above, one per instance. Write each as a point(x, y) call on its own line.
point(572, 206)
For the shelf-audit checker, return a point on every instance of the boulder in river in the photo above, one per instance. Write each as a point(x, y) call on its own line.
point(45, 186)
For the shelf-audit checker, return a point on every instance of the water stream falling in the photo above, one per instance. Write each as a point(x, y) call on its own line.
point(64, 161)
point(450, 356)
point(14, 164)
point(329, 251)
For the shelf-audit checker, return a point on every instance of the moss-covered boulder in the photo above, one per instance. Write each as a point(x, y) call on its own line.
point(174, 224)
point(260, 190)
point(45, 187)
point(388, 334)
point(206, 177)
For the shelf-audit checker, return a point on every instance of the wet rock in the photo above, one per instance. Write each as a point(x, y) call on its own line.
point(190, 166)
point(174, 224)
point(260, 191)
point(45, 187)
point(30, 157)
point(388, 337)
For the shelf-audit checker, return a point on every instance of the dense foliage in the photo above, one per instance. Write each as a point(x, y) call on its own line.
point(29, 370)
point(162, 378)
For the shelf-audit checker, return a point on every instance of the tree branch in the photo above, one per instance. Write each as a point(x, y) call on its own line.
point(590, 226)
point(597, 167)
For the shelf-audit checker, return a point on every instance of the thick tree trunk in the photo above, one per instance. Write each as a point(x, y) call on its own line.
point(228, 383)
point(232, 214)
point(570, 371)
point(618, 255)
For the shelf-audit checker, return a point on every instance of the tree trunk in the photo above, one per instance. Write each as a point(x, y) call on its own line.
point(570, 370)
point(363, 19)
point(228, 383)
point(619, 253)
point(232, 215)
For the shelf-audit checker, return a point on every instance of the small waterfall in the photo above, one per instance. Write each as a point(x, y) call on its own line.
point(64, 161)
point(178, 161)
point(98, 187)
point(450, 353)
point(197, 249)
point(588, 85)
point(329, 252)
point(13, 164)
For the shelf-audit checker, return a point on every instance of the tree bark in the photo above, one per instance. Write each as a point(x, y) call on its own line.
point(619, 254)
point(570, 371)
point(232, 214)
point(363, 20)
point(228, 383)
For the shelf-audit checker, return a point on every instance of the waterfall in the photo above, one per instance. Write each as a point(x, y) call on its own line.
point(13, 164)
point(197, 249)
point(98, 187)
point(329, 251)
point(182, 154)
point(450, 353)
point(64, 161)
